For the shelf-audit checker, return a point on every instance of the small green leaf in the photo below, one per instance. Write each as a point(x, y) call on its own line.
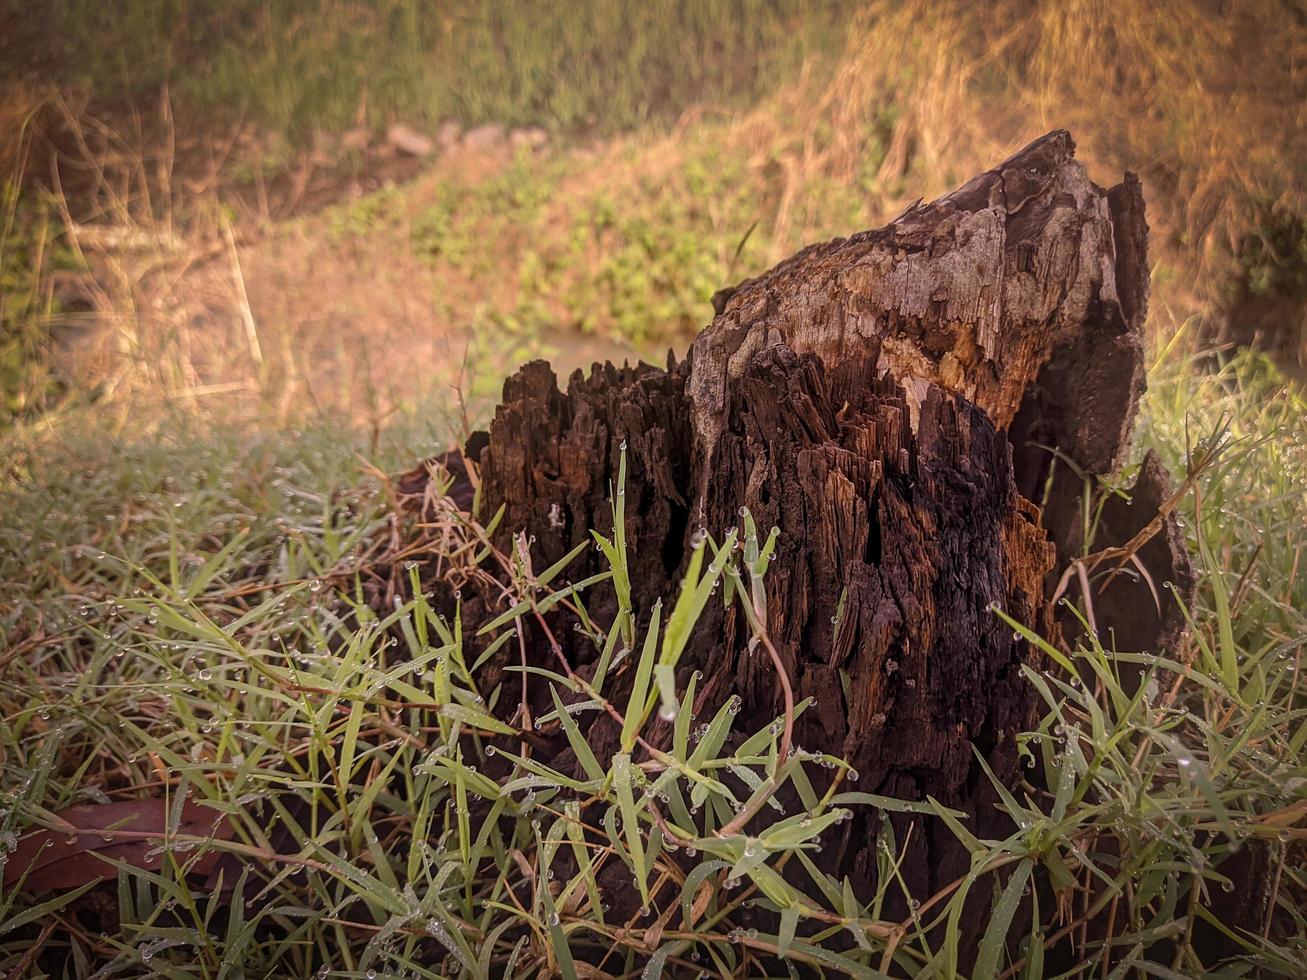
point(631, 823)
point(991, 944)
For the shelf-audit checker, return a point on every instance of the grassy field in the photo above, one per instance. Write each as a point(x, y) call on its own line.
point(326, 64)
point(243, 253)
point(167, 596)
point(204, 392)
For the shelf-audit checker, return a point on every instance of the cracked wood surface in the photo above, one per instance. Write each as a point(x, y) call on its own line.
point(979, 292)
point(916, 409)
point(1025, 292)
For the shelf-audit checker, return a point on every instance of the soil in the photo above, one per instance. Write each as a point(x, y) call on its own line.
point(239, 285)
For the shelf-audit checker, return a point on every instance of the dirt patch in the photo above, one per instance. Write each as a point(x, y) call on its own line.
point(227, 266)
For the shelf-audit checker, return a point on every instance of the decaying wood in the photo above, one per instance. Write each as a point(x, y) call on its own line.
point(918, 409)
point(1024, 291)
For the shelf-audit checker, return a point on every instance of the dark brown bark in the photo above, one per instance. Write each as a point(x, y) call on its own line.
point(916, 408)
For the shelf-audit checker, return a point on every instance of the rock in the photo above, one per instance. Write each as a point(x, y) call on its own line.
point(408, 140)
point(530, 138)
point(355, 140)
point(448, 135)
point(483, 138)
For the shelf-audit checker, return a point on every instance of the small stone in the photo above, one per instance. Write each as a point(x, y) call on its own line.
point(355, 140)
point(484, 138)
point(530, 138)
point(408, 140)
point(448, 134)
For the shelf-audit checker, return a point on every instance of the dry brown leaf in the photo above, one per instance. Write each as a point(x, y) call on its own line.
point(132, 831)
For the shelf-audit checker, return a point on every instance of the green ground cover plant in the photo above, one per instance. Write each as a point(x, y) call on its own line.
point(182, 620)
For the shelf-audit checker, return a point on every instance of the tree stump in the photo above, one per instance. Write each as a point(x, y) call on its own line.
point(916, 408)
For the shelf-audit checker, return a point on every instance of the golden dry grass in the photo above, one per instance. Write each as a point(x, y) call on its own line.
point(1207, 102)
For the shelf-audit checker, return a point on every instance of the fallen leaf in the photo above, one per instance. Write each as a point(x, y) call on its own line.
point(132, 832)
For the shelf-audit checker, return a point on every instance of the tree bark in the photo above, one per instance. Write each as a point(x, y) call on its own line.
point(916, 408)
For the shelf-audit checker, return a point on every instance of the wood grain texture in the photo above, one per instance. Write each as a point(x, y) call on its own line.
point(978, 292)
point(917, 409)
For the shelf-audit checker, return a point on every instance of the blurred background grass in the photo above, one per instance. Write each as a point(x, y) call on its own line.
point(219, 202)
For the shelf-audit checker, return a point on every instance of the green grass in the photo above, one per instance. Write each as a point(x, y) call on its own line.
point(184, 605)
point(298, 67)
point(641, 260)
point(635, 256)
point(179, 610)
point(31, 249)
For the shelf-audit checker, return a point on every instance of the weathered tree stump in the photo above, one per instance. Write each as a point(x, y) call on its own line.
point(917, 409)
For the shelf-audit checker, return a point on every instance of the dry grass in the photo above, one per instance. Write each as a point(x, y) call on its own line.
point(193, 300)
point(17, 109)
point(174, 297)
point(1209, 105)
point(187, 299)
